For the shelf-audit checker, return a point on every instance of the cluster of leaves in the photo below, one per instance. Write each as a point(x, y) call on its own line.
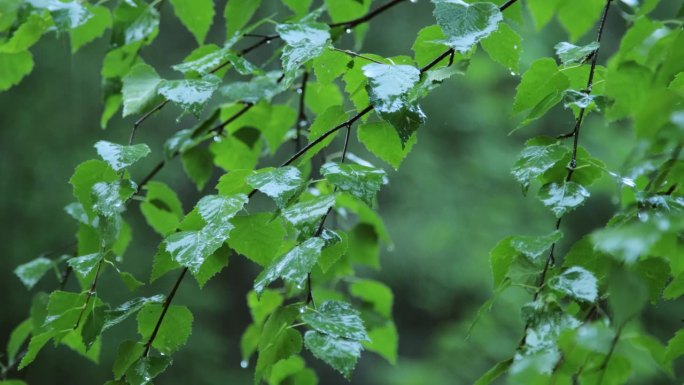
point(578, 325)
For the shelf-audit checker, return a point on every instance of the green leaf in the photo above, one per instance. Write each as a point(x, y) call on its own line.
point(259, 88)
point(122, 312)
point(337, 319)
point(26, 35)
point(569, 53)
point(277, 341)
point(196, 15)
point(269, 233)
point(466, 24)
point(38, 341)
point(361, 181)
point(262, 306)
point(208, 58)
point(85, 265)
point(563, 197)
point(429, 45)
point(127, 353)
point(383, 141)
point(335, 247)
point(627, 295)
point(190, 94)
point(109, 198)
point(542, 11)
point(389, 85)
point(213, 265)
point(143, 371)
point(237, 13)
point(192, 248)
point(13, 68)
point(375, 293)
point(330, 65)
point(304, 41)
point(321, 96)
point(219, 209)
point(627, 243)
point(675, 346)
point(31, 272)
point(495, 372)
point(501, 258)
point(540, 88)
point(162, 209)
point(286, 368)
point(576, 282)
point(120, 156)
point(231, 153)
point(384, 340)
point(66, 15)
point(538, 156)
point(173, 332)
point(63, 310)
point(234, 183)
point(533, 247)
point(579, 16)
point(139, 90)
point(198, 165)
point(305, 215)
point(16, 340)
point(504, 47)
point(292, 267)
point(91, 29)
point(281, 184)
point(331, 117)
point(339, 353)
point(135, 21)
point(86, 175)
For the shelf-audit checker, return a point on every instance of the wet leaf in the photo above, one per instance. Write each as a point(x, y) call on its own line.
point(292, 267)
point(119, 156)
point(576, 282)
point(466, 24)
point(569, 53)
point(339, 353)
point(337, 319)
point(190, 94)
point(361, 181)
point(281, 184)
point(563, 197)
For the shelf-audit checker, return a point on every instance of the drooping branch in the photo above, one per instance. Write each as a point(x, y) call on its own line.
point(367, 17)
point(301, 113)
point(550, 259)
point(165, 308)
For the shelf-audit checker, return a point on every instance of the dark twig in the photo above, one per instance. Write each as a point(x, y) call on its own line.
point(365, 18)
point(573, 162)
point(506, 5)
point(91, 291)
point(354, 54)
point(165, 308)
point(301, 115)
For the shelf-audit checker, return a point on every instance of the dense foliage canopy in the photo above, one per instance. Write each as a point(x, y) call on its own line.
point(320, 229)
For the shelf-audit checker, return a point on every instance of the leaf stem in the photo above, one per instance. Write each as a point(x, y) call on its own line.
point(354, 54)
point(165, 308)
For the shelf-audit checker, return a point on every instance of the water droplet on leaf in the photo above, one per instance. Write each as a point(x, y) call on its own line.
point(303, 123)
point(299, 90)
point(244, 364)
point(348, 30)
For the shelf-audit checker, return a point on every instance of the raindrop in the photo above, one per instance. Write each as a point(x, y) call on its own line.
point(299, 287)
point(515, 46)
point(244, 364)
point(303, 123)
point(302, 310)
point(628, 182)
point(414, 1)
point(348, 30)
point(217, 138)
point(299, 90)
point(643, 216)
point(268, 42)
point(512, 73)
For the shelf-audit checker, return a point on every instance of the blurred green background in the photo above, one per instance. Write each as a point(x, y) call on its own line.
point(447, 206)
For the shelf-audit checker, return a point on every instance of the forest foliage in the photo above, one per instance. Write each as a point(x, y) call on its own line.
point(581, 321)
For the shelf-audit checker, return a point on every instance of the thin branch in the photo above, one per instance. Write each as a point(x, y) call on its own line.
point(302, 120)
point(367, 17)
point(91, 291)
point(144, 117)
point(573, 161)
point(354, 54)
point(165, 308)
point(506, 5)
